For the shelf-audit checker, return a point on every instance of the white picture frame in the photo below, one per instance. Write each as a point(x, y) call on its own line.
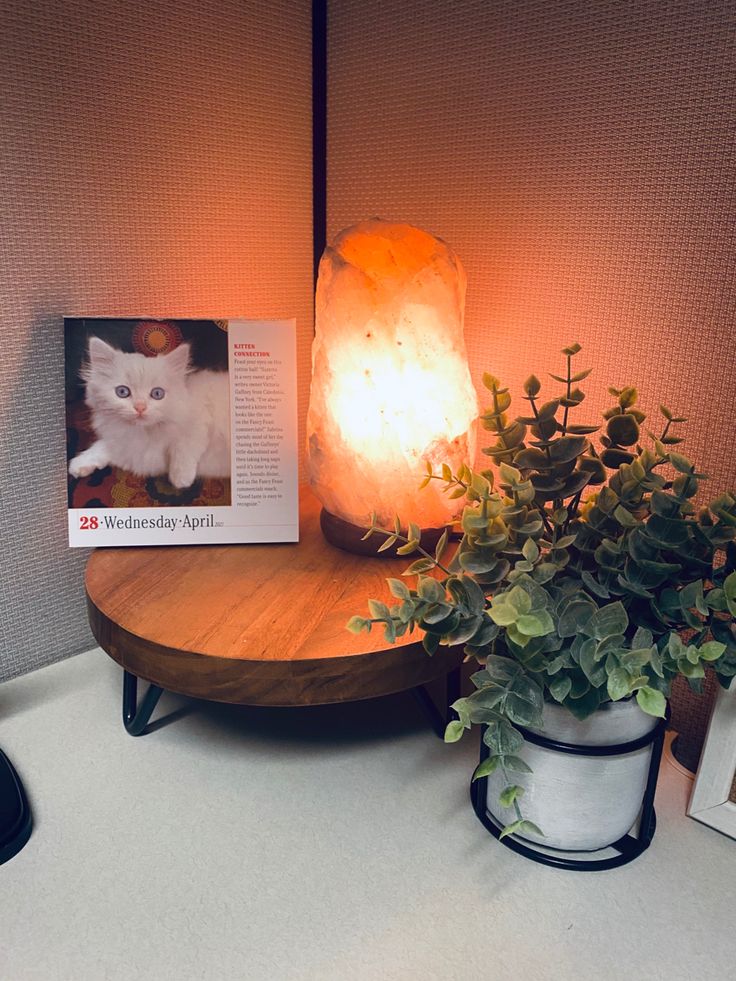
point(710, 800)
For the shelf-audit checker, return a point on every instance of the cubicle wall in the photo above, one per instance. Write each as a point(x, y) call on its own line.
point(581, 159)
point(157, 159)
point(154, 158)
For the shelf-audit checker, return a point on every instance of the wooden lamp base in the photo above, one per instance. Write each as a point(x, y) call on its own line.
point(344, 534)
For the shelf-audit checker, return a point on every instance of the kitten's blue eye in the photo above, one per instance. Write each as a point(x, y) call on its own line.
point(157, 393)
point(122, 392)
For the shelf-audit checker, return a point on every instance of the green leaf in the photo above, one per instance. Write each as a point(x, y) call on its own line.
point(729, 588)
point(690, 670)
point(642, 638)
point(613, 458)
point(637, 657)
point(502, 612)
point(607, 621)
point(593, 668)
point(625, 518)
point(409, 547)
point(560, 688)
point(711, 650)
point(598, 589)
point(516, 764)
point(531, 458)
point(475, 562)
point(584, 705)
point(399, 589)
point(387, 543)
point(567, 448)
point(535, 624)
point(509, 475)
point(627, 397)
point(691, 595)
point(379, 610)
point(686, 485)
point(664, 504)
point(519, 599)
point(430, 643)
point(523, 687)
point(716, 600)
point(486, 767)
point(421, 565)
point(429, 589)
point(530, 550)
point(454, 731)
point(520, 827)
point(618, 684)
point(502, 738)
point(623, 430)
point(501, 669)
point(441, 545)
point(575, 616)
point(651, 701)
point(544, 572)
point(519, 710)
point(509, 794)
point(407, 611)
point(356, 624)
point(547, 411)
point(437, 612)
point(392, 630)
point(634, 588)
point(681, 463)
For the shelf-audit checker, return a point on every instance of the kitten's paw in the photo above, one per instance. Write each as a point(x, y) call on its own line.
point(182, 476)
point(81, 468)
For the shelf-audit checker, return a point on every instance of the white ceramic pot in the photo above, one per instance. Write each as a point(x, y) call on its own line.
point(581, 803)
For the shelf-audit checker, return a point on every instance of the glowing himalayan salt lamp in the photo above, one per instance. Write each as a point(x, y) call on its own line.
point(391, 387)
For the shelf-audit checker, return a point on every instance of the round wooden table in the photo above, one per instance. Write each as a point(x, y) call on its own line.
point(253, 624)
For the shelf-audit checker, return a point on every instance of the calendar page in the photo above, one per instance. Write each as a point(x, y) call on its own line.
point(181, 432)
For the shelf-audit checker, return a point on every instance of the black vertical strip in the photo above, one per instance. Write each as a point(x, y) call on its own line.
point(319, 130)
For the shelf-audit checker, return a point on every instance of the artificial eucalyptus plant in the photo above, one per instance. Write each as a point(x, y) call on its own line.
point(584, 574)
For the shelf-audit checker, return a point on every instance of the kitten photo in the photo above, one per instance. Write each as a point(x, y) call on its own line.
point(155, 416)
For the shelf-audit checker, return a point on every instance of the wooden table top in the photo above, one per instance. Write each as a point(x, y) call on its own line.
point(256, 624)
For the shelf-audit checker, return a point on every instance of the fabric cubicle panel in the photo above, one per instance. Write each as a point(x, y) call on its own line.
point(154, 158)
point(580, 158)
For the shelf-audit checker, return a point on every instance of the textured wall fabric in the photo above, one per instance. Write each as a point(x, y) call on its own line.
point(154, 158)
point(580, 158)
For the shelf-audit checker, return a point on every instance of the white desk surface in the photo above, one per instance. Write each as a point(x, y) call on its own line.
point(319, 844)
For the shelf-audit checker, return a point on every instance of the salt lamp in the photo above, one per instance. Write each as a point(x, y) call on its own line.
point(391, 388)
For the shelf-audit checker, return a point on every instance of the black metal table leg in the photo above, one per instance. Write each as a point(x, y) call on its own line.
point(135, 716)
point(438, 718)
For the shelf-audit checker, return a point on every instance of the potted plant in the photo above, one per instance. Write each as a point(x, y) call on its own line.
point(585, 581)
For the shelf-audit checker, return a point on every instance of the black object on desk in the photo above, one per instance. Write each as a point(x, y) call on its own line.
point(15, 814)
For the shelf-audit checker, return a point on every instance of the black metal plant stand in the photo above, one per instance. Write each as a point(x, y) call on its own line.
point(136, 716)
point(627, 848)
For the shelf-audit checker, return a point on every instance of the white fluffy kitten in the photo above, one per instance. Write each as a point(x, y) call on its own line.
point(153, 416)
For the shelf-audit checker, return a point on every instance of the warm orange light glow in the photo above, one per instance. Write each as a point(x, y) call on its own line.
point(391, 386)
